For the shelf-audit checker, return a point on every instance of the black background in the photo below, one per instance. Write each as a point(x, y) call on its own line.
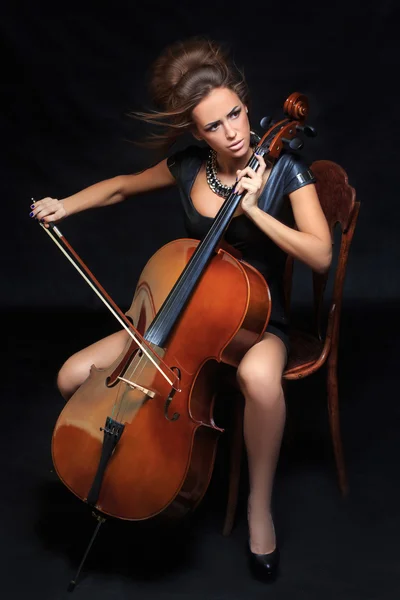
point(71, 75)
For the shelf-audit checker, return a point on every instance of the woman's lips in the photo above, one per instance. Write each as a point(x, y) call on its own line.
point(237, 146)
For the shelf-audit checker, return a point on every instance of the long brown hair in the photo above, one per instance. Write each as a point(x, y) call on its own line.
point(185, 73)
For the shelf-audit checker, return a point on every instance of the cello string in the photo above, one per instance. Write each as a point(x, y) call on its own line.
point(219, 217)
point(133, 372)
point(123, 407)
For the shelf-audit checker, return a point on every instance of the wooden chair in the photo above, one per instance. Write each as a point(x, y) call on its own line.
point(310, 350)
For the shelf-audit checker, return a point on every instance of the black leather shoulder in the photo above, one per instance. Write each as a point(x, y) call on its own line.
point(294, 172)
point(185, 163)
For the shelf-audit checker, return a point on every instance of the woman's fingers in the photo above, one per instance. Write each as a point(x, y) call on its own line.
point(41, 206)
point(44, 202)
point(249, 185)
point(249, 172)
point(48, 209)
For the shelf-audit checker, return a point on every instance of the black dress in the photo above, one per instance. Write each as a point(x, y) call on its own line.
point(288, 174)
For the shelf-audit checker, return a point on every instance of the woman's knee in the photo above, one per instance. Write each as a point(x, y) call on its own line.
point(71, 375)
point(76, 369)
point(259, 374)
point(259, 382)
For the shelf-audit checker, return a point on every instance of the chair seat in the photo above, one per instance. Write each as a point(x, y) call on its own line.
point(305, 350)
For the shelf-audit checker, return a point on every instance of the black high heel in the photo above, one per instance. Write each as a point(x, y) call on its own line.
point(264, 566)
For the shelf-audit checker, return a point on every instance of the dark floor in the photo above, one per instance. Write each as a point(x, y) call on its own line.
point(330, 547)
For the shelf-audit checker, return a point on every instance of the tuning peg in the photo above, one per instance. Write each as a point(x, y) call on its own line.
point(266, 122)
point(308, 130)
point(294, 143)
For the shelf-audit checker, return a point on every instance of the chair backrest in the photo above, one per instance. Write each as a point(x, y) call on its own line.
point(338, 201)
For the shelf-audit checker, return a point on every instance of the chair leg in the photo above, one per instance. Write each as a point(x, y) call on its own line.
point(334, 421)
point(235, 464)
point(288, 436)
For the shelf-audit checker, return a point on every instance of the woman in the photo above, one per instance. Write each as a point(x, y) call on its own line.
point(198, 90)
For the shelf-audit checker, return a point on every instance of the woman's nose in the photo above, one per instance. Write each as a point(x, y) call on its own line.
point(230, 132)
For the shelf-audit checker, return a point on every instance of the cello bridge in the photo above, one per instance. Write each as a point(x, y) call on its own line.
point(136, 386)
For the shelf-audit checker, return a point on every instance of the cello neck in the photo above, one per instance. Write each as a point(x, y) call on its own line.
point(161, 327)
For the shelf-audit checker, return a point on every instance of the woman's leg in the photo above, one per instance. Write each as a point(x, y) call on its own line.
point(260, 379)
point(77, 368)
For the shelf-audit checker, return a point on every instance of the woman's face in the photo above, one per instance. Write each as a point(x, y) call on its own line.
point(221, 120)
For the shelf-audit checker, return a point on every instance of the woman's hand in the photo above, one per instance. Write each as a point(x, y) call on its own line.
point(251, 182)
point(48, 210)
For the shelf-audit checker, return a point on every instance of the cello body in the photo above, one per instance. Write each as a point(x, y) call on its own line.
point(164, 458)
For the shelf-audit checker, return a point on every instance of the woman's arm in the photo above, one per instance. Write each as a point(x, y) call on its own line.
point(312, 242)
point(104, 193)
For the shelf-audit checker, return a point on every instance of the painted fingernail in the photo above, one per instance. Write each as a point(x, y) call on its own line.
point(32, 206)
point(31, 214)
point(42, 220)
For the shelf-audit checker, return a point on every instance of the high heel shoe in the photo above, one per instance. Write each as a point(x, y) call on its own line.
point(264, 566)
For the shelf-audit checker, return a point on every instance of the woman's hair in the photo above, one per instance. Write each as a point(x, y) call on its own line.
point(184, 74)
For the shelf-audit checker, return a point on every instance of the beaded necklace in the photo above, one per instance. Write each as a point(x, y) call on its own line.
point(212, 179)
point(211, 171)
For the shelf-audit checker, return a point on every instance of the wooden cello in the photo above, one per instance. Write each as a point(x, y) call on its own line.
point(138, 439)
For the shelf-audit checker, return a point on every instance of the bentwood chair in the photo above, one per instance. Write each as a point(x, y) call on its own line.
point(311, 349)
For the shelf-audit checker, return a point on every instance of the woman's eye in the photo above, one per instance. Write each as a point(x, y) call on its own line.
point(233, 115)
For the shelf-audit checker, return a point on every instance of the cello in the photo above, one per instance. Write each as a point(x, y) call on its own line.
point(138, 438)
